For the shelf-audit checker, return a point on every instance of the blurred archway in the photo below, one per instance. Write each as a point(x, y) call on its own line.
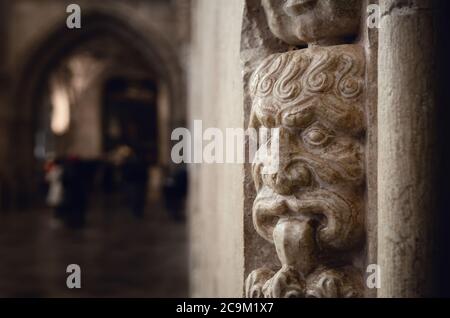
point(100, 102)
point(147, 50)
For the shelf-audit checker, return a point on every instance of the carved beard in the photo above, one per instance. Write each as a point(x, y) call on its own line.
point(312, 231)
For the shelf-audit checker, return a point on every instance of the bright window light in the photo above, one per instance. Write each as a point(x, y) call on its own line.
point(60, 109)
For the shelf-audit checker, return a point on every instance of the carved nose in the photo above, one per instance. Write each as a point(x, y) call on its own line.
point(296, 7)
point(290, 173)
point(289, 178)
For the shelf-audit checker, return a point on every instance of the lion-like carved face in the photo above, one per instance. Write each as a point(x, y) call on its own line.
point(314, 97)
point(298, 22)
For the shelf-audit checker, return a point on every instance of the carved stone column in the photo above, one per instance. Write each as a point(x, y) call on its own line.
point(313, 208)
point(408, 149)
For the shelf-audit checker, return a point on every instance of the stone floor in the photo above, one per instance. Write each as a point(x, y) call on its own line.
point(119, 255)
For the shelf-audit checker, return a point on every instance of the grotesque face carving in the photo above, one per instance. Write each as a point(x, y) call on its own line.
point(314, 98)
point(311, 207)
point(298, 22)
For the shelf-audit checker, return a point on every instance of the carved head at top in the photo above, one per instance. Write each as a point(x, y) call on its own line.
point(299, 22)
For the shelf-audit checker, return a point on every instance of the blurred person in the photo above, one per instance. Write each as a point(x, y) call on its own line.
point(55, 196)
point(175, 190)
point(75, 184)
point(135, 179)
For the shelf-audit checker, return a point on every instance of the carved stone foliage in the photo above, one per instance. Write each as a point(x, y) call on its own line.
point(311, 209)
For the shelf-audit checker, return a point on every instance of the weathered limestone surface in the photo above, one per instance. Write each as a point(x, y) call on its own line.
point(299, 22)
point(257, 42)
point(369, 40)
point(407, 147)
point(312, 208)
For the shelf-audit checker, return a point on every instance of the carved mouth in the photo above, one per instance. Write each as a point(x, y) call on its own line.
point(295, 8)
point(339, 221)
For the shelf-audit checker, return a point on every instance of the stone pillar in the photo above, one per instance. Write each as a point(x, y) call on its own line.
point(407, 147)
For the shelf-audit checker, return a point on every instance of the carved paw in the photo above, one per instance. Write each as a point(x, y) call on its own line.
point(332, 283)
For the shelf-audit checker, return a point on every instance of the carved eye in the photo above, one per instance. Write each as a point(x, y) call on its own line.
point(316, 136)
point(297, 117)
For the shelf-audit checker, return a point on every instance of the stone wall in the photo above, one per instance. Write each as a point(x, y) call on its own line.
point(216, 198)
